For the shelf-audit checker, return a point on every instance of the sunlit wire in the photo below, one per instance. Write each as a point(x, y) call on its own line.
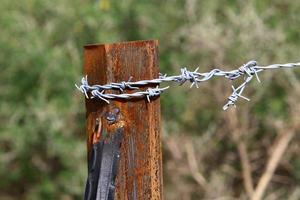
point(247, 71)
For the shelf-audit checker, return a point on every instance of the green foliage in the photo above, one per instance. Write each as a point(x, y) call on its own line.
point(42, 137)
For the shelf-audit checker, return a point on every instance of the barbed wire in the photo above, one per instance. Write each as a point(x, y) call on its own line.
point(248, 71)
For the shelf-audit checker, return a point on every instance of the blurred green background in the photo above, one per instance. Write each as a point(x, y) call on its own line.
point(208, 153)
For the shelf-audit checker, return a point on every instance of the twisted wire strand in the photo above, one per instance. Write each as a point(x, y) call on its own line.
point(248, 71)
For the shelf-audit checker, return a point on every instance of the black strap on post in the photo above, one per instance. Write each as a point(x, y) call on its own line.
point(103, 168)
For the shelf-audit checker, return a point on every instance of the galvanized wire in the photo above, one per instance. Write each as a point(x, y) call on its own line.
point(247, 71)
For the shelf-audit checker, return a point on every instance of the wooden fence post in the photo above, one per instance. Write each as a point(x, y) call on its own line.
point(139, 174)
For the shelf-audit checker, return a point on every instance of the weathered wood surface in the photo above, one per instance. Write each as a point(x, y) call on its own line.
point(140, 168)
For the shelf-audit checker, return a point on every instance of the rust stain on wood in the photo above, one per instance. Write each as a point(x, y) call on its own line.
point(140, 167)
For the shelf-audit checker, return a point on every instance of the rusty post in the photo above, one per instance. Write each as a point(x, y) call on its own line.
point(139, 174)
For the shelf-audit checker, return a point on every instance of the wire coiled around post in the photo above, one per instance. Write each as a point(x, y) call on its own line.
point(248, 71)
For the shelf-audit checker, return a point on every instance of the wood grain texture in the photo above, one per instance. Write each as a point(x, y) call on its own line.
point(140, 168)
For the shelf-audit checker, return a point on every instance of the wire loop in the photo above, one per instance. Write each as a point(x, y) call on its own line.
point(247, 71)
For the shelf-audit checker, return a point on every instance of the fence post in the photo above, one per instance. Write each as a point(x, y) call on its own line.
point(139, 174)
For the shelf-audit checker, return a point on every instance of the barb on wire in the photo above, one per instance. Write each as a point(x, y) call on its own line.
point(248, 71)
